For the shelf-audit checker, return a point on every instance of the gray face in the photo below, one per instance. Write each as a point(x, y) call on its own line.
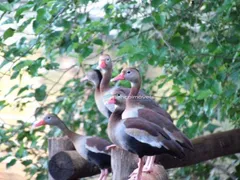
point(120, 97)
point(131, 74)
point(51, 119)
point(106, 60)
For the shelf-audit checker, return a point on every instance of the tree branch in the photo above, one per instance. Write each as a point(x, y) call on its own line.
point(205, 148)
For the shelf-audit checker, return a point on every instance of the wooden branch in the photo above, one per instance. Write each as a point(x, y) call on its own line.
point(124, 163)
point(206, 147)
point(56, 145)
point(70, 165)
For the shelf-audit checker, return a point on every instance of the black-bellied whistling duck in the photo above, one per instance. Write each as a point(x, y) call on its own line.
point(105, 65)
point(134, 108)
point(95, 77)
point(93, 149)
point(138, 135)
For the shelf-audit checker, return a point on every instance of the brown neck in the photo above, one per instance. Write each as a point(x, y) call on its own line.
point(116, 115)
point(65, 130)
point(104, 85)
point(132, 97)
point(97, 90)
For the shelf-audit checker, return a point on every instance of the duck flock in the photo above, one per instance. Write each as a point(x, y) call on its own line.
point(136, 122)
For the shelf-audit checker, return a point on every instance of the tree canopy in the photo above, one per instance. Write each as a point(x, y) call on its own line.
point(195, 43)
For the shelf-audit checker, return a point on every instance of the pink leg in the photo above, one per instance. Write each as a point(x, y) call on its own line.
point(149, 167)
point(140, 168)
point(105, 174)
point(113, 146)
point(101, 175)
point(148, 159)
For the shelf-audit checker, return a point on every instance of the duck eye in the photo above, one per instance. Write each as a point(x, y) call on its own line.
point(48, 117)
point(108, 59)
point(129, 72)
point(118, 94)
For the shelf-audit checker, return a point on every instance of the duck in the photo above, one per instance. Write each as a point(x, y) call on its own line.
point(134, 108)
point(106, 66)
point(138, 135)
point(92, 149)
point(95, 77)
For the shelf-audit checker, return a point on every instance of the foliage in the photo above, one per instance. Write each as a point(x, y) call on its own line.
point(196, 43)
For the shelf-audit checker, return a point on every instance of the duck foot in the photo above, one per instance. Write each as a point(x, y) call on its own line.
point(148, 167)
point(137, 173)
point(113, 146)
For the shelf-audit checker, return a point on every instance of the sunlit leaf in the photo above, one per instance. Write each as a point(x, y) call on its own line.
point(8, 33)
point(40, 93)
point(202, 94)
point(5, 7)
point(11, 163)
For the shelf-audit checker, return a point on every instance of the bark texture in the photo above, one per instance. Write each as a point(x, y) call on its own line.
point(205, 148)
point(70, 165)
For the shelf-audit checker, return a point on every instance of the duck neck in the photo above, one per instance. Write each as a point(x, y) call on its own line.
point(104, 85)
point(116, 115)
point(65, 130)
point(97, 89)
point(132, 97)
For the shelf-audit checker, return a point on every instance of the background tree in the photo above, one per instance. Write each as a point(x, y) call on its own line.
point(196, 43)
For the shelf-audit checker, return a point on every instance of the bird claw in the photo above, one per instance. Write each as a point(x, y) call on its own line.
point(113, 146)
point(133, 173)
point(132, 177)
point(147, 170)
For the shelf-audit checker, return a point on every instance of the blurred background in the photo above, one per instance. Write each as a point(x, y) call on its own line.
point(187, 53)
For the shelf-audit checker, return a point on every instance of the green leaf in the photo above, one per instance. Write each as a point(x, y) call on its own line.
point(98, 42)
point(3, 104)
point(148, 19)
point(21, 9)
point(4, 62)
point(27, 162)
point(22, 64)
point(10, 20)
point(40, 93)
point(181, 121)
point(156, 3)
point(160, 19)
point(41, 177)
point(11, 163)
point(86, 51)
point(21, 152)
point(211, 127)
point(202, 94)
point(180, 99)
point(217, 87)
point(15, 75)
point(4, 157)
point(12, 89)
point(8, 33)
point(82, 18)
point(24, 25)
point(238, 170)
point(43, 15)
point(5, 7)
